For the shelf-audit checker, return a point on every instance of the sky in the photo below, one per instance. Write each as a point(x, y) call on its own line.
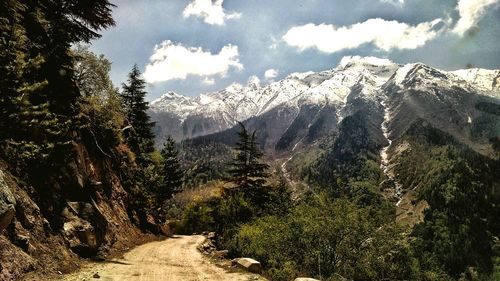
point(197, 46)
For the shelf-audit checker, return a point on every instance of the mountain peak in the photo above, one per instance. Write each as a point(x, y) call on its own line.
point(234, 88)
point(349, 61)
point(169, 96)
point(172, 101)
point(299, 75)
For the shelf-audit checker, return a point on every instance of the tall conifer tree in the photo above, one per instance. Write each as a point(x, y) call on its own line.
point(140, 136)
point(171, 170)
point(37, 89)
point(248, 171)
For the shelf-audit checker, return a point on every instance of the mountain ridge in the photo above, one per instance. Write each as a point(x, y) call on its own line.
point(216, 111)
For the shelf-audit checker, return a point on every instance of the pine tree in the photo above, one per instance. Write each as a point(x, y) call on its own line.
point(248, 171)
point(171, 171)
point(37, 89)
point(140, 136)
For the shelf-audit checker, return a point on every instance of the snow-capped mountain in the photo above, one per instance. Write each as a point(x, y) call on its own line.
point(311, 96)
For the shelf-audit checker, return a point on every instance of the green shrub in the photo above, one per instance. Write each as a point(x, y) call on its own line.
point(327, 237)
point(197, 218)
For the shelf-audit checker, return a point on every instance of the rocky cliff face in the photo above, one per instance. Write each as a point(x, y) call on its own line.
point(83, 211)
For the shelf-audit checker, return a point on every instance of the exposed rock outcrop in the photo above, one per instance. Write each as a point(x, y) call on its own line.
point(83, 209)
point(7, 203)
point(83, 238)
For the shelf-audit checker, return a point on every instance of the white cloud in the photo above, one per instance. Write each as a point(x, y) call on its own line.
point(471, 11)
point(385, 35)
point(174, 61)
point(209, 81)
point(270, 74)
point(399, 3)
point(253, 80)
point(211, 11)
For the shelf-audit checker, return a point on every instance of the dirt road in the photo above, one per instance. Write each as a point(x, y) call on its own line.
point(173, 259)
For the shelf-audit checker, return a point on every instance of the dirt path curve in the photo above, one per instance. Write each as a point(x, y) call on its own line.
point(173, 259)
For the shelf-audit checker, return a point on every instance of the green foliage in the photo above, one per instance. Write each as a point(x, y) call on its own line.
point(496, 260)
point(249, 177)
point(92, 73)
point(37, 90)
point(458, 184)
point(324, 238)
point(489, 107)
point(353, 155)
point(139, 133)
point(204, 161)
point(170, 171)
point(197, 217)
point(55, 99)
point(100, 105)
point(247, 171)
point(279, 198)
point(366, 194)
point(238, 204)
point(486, 125)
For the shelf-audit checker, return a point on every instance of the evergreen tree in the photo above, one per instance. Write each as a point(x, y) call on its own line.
point(140, 135)
point(171, 170)
point(37, 89)
point(248, 171)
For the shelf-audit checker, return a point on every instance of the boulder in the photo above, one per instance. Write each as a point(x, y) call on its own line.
point(20, 236)
point(80, 236)
point(23, 241)
point(249, 264)
point(78, 232)
point(7, 204)
point(206, 247)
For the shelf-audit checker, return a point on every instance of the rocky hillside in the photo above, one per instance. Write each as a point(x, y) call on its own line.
point(84, 211)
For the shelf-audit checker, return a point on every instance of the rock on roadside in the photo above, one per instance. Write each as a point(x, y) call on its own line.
point(248, 264)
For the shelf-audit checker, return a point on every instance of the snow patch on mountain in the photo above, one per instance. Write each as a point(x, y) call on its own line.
point(364, 61)
point(484, 79)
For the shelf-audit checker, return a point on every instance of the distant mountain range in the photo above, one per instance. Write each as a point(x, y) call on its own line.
point(293, 108)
